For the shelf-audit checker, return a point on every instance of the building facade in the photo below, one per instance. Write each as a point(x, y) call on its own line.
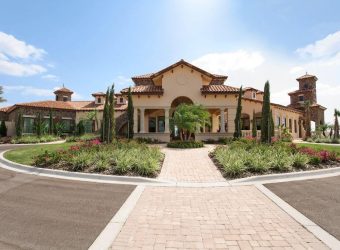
point(155, 97)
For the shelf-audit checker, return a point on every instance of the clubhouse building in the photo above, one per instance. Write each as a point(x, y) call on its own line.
point(156, 96)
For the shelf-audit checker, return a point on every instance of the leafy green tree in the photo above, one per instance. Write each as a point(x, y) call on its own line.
point(130, 114)
point(265, 123)
point(3, 129)
point(1, 93)
point(189, 118)
point(254, 128)
point(237, 121)
point(18, 125)
point(336, 123)
point(308, 119)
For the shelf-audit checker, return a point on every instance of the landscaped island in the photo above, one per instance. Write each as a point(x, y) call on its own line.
point(247, 157)
point(119, 157)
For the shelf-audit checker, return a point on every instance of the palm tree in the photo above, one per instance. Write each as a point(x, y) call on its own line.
point(1, 93)
point(336, 123)
point(307, 119)
point(323, 128)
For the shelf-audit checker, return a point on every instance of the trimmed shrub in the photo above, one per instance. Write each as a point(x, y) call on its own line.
point(300, 160)
point(185, 144)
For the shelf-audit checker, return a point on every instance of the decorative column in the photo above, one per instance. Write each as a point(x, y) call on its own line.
point(142, 111)
point(135, 120)
point(222, 130)
point(231, 118)
point(166, 117)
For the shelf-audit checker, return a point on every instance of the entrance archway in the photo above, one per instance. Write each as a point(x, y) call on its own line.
point(176, 102)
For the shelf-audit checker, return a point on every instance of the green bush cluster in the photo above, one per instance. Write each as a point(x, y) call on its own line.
point(246, 156)
point(323, 140)
point(124, 158)
point(34, 139)
point(185, 144)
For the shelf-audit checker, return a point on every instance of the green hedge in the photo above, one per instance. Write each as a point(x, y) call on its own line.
point(185, 144)
point(27, 139)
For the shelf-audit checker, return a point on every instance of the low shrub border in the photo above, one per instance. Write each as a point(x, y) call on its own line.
point(27, 139)
point(185, 144)
point(246, 158)
point(120, 158)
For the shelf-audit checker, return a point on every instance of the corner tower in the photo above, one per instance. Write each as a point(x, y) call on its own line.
point(63, 95)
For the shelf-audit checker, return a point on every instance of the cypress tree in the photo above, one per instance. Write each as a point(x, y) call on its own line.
point(38, 125)
point(50, 123)
point(111, 115)
point(265, 123)
point(3, 129)
point(237, 121)
point(272, 126)
point(19, 126)
point(254, 128)
point(130, 112)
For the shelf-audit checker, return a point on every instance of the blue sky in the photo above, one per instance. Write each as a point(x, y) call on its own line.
point(87, 45)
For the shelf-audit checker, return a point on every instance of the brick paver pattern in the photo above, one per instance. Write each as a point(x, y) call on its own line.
point(189, 165)
point(211, 218)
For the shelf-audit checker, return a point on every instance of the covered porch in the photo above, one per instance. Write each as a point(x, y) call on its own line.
point(155, 123)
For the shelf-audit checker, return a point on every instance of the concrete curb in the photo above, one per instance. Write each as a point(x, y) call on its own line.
point(284, 177)
point(61, 174)
point(112, 229)
point(317, 231)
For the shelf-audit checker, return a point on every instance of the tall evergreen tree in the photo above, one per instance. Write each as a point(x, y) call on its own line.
point(130, 114)
point(105, 123)
point(272, 126)
point(3, 129)
point(265, 123)
point(336, 124)
point(308, 119)
point(254, 128)
point(38, 125)
point(50, 123)
point(237, 121)
point(19, 125)
point(111, 115)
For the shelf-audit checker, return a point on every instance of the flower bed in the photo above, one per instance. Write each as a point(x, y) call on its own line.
point(123, 158)
point(247, 157)
point(27, 139)
point(185, 144)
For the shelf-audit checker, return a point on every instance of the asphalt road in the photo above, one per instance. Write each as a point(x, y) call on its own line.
point(318, 200)
point(48, 213)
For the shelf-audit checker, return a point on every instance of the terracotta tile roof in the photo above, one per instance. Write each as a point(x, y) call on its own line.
point(300, 91)
point(275, 105)
point(306, 76)
point(319, 106)
point(218, 89)
point(251, 88)
point(63, 90)
point(147, 78)
point(73, 105)
point(144, 89)
point(5, 109)
point(98, 94)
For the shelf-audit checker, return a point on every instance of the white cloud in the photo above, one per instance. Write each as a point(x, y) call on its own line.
point(223, 63)
point(50, 77)
point(327, 46)
point(15, 48)
point(29, 90)
point(281, 71)
point(17, 58)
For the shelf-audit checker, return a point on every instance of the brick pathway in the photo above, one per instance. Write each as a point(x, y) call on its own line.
point(210, 218)
point(189, 165)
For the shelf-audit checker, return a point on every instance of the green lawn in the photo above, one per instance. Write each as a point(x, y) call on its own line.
point(26, 155)
point(320, 147)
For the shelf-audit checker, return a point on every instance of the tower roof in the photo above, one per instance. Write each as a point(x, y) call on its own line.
point(306, 76)
point(63, 90)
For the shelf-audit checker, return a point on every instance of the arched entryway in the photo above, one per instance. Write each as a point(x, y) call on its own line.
point(174, 104)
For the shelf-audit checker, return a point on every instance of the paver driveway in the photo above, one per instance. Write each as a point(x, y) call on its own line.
point(189, 165)
point(210, 218)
